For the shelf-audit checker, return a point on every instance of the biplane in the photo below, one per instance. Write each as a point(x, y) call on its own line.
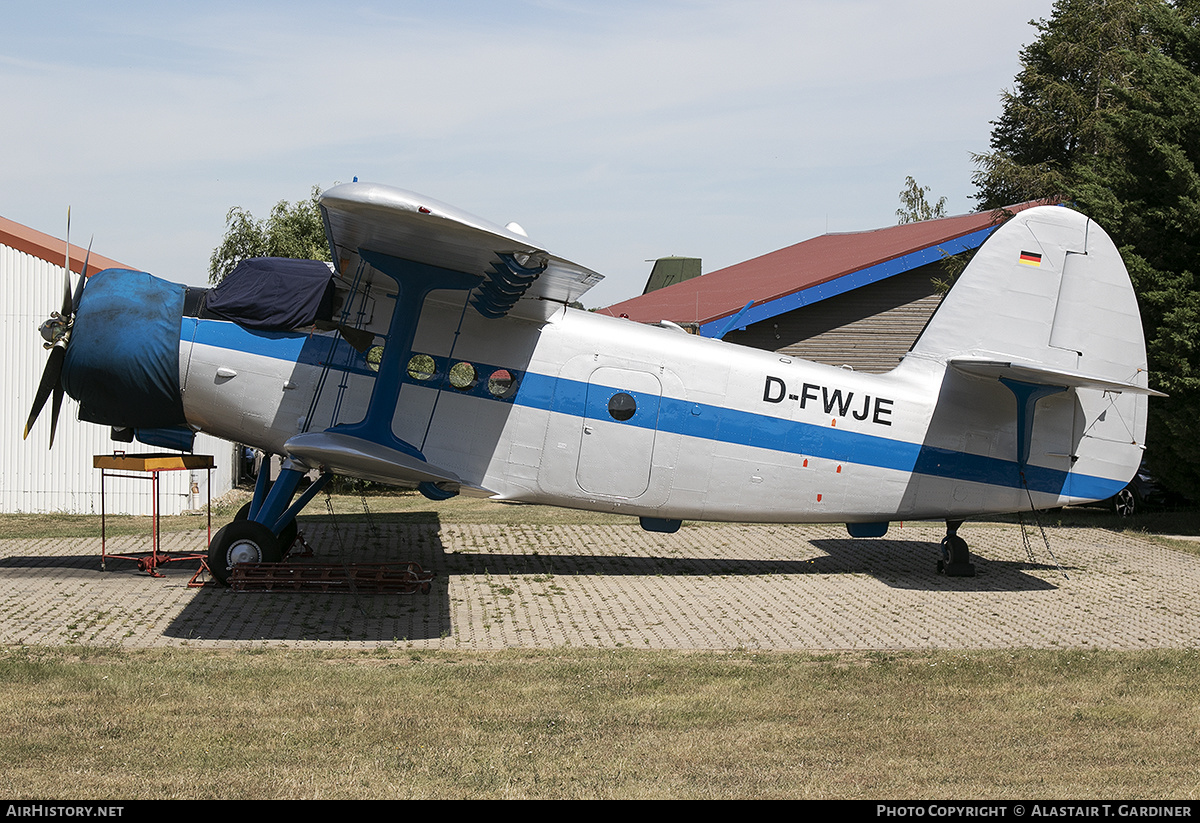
point(442, 352)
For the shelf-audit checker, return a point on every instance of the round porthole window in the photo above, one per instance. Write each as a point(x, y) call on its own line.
point(621, 406)
point(501, 384)
point(463, 376)
point(421, 367)
point(374, 357)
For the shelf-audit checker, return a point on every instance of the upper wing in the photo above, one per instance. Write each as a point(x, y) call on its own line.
point(372, 217)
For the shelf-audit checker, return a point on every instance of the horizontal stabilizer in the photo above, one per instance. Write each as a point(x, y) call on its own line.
point(356, 457)
point(1044, 376)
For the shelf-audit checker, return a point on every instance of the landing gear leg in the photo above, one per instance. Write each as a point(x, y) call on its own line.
point(956, 558)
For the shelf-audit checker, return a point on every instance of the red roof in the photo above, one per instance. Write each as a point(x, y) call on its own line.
point(796, 268)
point(51, 249)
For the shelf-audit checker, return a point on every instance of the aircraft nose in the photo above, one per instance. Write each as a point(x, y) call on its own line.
point(122, 363)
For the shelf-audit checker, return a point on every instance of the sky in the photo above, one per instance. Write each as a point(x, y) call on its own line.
point(614, 132)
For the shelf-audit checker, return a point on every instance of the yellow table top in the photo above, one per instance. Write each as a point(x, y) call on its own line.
point(152, 462)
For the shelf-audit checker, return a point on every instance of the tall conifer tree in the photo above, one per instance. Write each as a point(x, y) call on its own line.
point(1106, 115)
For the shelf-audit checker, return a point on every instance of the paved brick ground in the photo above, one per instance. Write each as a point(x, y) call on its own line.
point(706, 587)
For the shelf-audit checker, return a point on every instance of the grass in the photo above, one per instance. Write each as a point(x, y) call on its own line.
point(97, 724)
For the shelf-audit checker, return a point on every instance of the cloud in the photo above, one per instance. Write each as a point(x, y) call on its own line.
point(607, 129)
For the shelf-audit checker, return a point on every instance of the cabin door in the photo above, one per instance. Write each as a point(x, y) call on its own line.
point(620, 421)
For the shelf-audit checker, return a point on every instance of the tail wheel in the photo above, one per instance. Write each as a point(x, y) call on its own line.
point(956, 557)
point(242, 541)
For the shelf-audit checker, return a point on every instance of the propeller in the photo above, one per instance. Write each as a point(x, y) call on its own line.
point(57, 333)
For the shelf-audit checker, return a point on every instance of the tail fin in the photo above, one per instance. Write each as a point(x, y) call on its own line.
point(1046, 307)
point(1048, 287)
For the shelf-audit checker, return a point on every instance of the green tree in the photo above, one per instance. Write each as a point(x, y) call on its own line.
point(1106, 115)
point(1053, 120)
point(916, 207)
point(293, 230)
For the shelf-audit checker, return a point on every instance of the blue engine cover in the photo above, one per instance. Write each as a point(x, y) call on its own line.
point(122, 363)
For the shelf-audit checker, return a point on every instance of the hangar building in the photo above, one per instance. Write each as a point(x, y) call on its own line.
point(32, 477)
point(857, 299)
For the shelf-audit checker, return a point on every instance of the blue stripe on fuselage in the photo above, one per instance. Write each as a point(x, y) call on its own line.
point(708, 422)
point(732, 426)
point(702, 421)
point(310, 349)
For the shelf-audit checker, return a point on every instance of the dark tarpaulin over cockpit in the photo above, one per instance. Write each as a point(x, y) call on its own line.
point(274, 294)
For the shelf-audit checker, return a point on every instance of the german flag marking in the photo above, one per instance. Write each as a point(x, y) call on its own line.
point(1031, 258)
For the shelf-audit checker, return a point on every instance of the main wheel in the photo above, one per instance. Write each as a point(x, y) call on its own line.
point(286, 537)
point(242, 541)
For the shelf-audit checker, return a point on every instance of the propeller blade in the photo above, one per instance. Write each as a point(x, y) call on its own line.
point(82, 278)
point(50, 381)
point(55, 406)
point(66, 304)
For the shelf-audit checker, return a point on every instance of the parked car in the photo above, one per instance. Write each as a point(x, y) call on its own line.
point(1141, 491)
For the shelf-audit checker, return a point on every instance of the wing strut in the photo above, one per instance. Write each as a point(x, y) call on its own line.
point(369, 448)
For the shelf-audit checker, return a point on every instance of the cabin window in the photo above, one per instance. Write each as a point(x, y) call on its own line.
point(421, 367)
point(621, 406)
point(374, 357)
point(463, 376)
point(501, 384)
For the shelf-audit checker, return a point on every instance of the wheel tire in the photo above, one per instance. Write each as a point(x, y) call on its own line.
point(1125, 502)
point(286, 537)
point(242, 541)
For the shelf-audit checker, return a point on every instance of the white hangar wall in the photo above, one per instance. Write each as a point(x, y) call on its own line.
point(38, 480)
